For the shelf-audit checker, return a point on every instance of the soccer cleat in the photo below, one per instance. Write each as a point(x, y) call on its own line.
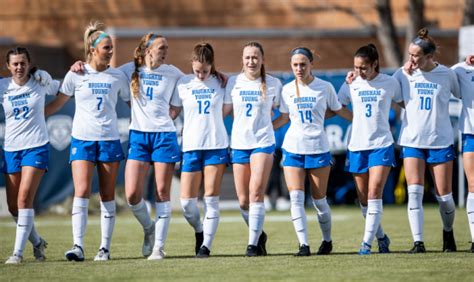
point(252, 251)
point(384, 244)
point(157, 254)
point(75, 254)
point(325, 248)
point(199, 239)
point(15, 259)
point(102, 255)
point(148, 241)
point(203, 252)
point(261, 244)
point(418, 248)
point(449, 244)
point(38, 250)
point(304, 251)
point(364, 249)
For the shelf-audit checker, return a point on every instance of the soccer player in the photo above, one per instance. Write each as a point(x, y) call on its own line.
point(26, 151)
point(153, 138)
point(95, 136)
point(253, 93)
point(465, 77)
point(370, 151)
point(205, 144)
point(427, 137)
point(306, 147)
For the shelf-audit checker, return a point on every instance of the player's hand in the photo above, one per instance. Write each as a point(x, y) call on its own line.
point(78, 67)
point(470, 60)
point(351, 75)
point(222, 78)
point(408, 68)
point(43, 77)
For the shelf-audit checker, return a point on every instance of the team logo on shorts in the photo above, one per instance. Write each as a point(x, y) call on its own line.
point(59, 131)
point(73, 150)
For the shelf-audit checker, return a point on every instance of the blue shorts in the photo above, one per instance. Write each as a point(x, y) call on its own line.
point(432, 156)
point(306, 161)
point(361, 161)
point(243, 156)
point(467, 143)
point(196, 160)
point(161, 147)
point(96, 151)
point(37, 157)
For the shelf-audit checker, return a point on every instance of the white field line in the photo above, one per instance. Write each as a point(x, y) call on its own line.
point(174, 220)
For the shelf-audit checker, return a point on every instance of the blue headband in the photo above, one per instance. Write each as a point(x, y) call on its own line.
point(425, 45)
point(303, 51)
point(150, 41)
point(101, 36)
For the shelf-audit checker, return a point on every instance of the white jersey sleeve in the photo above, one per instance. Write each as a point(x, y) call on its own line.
point(426, 96)
point(96, 95)
point(333, 102)
point(150, 110)
point(252, 127)
point(344, 95)
point(202, 103)
point(465, 77)
point(25, 125)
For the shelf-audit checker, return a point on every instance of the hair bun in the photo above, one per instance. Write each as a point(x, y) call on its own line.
point(423, 33)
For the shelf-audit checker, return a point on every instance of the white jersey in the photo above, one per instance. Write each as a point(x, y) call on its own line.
point(306, 133)
point(371, 101)
point(465, 74)
point(95, 118)
point(202, 103)
point(150, 110)
point(252, 127)
point(25, 125)
point(425, 123)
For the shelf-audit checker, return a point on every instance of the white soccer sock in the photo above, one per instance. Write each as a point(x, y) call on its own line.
point(79, 219)
point(324, 217)
point(415, 211)
point(470, 213)
point(23, 229)
point(163, 217)
point(380, 234)
point(245, 215)
point(34, 237)
point(140, 212)
point(372, 221)
point(191, 213)
point(107, 223)
point(256, 219)
point(298, 216)
point(447, 210)
point(211, 220)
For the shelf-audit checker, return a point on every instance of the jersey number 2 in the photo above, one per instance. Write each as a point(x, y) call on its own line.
point(17, 112)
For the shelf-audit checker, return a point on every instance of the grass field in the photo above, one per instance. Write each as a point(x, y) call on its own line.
point(227, 261)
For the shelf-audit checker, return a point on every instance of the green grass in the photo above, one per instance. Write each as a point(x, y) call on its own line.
point(227, 261)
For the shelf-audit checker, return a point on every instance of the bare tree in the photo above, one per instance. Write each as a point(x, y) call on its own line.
point(385, 31)
point(387, 34)
point(416, 22)
point(468, 18)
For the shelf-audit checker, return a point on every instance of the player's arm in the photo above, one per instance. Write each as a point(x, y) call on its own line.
point(344, 113)
point(281, 120)
point(174, 111)
point(56, 104)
